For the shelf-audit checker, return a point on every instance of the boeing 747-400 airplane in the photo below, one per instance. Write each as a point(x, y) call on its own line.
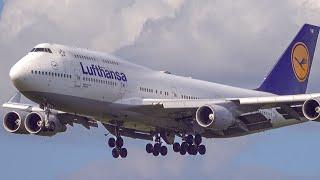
point(72, 85)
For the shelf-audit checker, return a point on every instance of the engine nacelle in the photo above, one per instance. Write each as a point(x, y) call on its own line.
point(311, 109)
point(13, 122)
point(35, 124)
point(215, 117)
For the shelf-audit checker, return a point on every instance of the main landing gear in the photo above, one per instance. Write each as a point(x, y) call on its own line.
point(118, 149)
point(157, 148)
point(191, 145)
point(117, 145)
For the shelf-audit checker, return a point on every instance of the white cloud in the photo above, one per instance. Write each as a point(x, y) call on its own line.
point(219, 40)
point(104, 25)
point(95, 24)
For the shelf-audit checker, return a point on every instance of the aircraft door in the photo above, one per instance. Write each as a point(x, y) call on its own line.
point(123, 89)
point(77, 78)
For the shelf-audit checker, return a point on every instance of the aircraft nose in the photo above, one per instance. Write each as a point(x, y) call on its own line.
point(17, 76)
point(14, 75)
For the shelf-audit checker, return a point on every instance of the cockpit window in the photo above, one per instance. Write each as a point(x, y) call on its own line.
point(47, 50)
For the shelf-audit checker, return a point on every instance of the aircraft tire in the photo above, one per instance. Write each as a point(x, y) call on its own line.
point(164, 150)
point(149, 148)
point(176, 147)
point(115, 153)
point(189, 139)
point(184, 146)
point(112, 142)
point(197, 139)
point(202, 149)
point(119, 142)
point(123, 152)
point(183, 152)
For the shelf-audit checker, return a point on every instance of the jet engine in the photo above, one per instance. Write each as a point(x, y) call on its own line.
point(311, 109)
point(35, 124)
point(215, 117)
point(13, 122)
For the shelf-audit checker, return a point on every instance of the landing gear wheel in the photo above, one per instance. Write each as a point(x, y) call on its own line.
point(112, 142)
point(176, 147)
point(164, 150)
point(198, 139)
point(115, 153)
point(149, 148)
point(189, 139)
point(155, 152)
point(119, 142)
point(202, 149)
point(157, 147)
point(192, 150)
point(183, 151)
point(184, 146)
point(123, 152)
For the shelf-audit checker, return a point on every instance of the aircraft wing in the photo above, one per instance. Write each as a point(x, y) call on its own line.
point(185, 108)
point(65, 118)
point(269, 101)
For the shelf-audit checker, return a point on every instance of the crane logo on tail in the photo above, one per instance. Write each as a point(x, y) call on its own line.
point(300, 61)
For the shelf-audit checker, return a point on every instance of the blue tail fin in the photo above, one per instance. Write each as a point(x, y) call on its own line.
point(291, 73)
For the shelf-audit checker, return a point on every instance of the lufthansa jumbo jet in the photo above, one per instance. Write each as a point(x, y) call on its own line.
point(72, 85)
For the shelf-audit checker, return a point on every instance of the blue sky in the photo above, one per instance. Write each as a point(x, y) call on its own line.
point(285, 153)
point(155, 30)
point(1, 4)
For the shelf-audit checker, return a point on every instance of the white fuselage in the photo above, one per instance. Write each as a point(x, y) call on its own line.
point(97, 85)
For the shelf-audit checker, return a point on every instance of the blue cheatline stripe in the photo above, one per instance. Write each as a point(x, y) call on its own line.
point(291, 73)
